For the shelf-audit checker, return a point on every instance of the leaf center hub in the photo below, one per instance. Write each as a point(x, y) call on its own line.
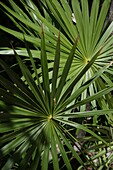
point(50, 117)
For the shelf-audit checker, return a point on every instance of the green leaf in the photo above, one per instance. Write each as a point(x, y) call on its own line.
point(63, 152)
point(61, 131)
point(44, 67)
point(56, 67)
point(88, 113)
point(65, 71)
point(53, 149)
point(32, 84)
point(79, 76)
point(82, 127)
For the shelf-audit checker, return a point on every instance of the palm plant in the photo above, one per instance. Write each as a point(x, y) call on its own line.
point(43, 112)
point(38, 117)
point(94, 36)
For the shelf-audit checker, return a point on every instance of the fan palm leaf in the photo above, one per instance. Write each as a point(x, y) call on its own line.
point(35, 126)
point(89, 24)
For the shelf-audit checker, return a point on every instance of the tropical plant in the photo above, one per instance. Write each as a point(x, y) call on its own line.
point(55, 15)
point(44, 111)
point(39, 122)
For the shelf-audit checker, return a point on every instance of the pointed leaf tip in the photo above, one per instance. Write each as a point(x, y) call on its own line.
point(42, 32)
point(13, 49)
point(76, 40)
point(59, 35)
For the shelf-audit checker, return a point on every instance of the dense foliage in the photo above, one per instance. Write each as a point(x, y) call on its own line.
point(57, 113)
